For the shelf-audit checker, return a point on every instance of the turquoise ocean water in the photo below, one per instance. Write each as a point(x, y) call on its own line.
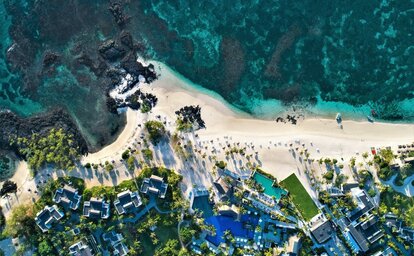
point(262, 56)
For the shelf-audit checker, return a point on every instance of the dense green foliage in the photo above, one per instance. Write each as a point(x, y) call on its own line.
point(125, 154)
point(221, 164)
point(2, 219)
point(108, 166)
point(156, 131)
point(399, 204)
point(300, 197)
point(5, 164)
point(383, 161)
point(147, 154)
point(55, 148)
point(145, 107)
point(21, 222)
point(183, 126)
point(329, 175)
point(131, 163)
point(152, 242)
point(170, 248)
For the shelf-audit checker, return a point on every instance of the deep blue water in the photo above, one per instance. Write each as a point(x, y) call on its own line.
point(263, 56)
point(338, 55)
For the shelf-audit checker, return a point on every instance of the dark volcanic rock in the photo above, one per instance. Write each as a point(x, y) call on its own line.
point(49, 59)
point(13, 125)
point(136, 101)
point(111, 104)
point(116, 10)
point(126, 39)
point(111, 51)
point(97, 67)
point(191, 114)
point(132, 66)
point(114, 74)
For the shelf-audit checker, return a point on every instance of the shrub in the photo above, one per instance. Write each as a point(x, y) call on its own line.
point(145, 107)
point(221, 164)
point(87, 166)
point(372, 192)
point(385, 173)
point(156, 130)
point(147, 153)
point(329, 175)
point(131, 163)
point(125, 154)
point(108, 166)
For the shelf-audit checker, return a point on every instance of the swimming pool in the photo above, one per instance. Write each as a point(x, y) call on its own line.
point(202, 203)
point(236, 228)
point(267, 184)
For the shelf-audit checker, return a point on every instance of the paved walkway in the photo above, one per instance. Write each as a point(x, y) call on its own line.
point(140, 214)
point(407, 188)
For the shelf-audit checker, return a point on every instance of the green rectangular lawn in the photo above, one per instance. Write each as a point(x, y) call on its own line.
point(300, 197)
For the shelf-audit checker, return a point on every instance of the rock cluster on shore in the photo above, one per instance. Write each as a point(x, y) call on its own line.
point(191, 115)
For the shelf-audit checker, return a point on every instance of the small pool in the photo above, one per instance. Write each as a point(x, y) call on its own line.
point(267, 184)
point(202, 203)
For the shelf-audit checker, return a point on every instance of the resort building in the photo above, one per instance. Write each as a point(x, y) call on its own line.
point(154, 185)
point(408, 160)
point(115, 239)
point(322, 231)
point(80, 249)
point(364, 202)
point(226, 210)
point(46, 217)
point(67, 197)
point(346, 187)
point(293, 245)
point(96, 208)
point(127, 202)
point(223, 189)
point(360, 227)
point(387, 252)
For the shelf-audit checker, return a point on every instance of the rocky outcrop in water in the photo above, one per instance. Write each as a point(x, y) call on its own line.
point(117, 11)
point(70, 55)
point(111, 51)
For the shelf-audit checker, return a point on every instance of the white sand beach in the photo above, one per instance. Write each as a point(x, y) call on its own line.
point(228, 126)
point(271, 140)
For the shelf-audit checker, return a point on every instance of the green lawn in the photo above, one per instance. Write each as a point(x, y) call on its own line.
point(164, 233)
point(300, 197)
point(166, 230)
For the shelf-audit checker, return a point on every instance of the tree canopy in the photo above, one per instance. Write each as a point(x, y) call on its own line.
point(57, 148)
point(156, 130)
